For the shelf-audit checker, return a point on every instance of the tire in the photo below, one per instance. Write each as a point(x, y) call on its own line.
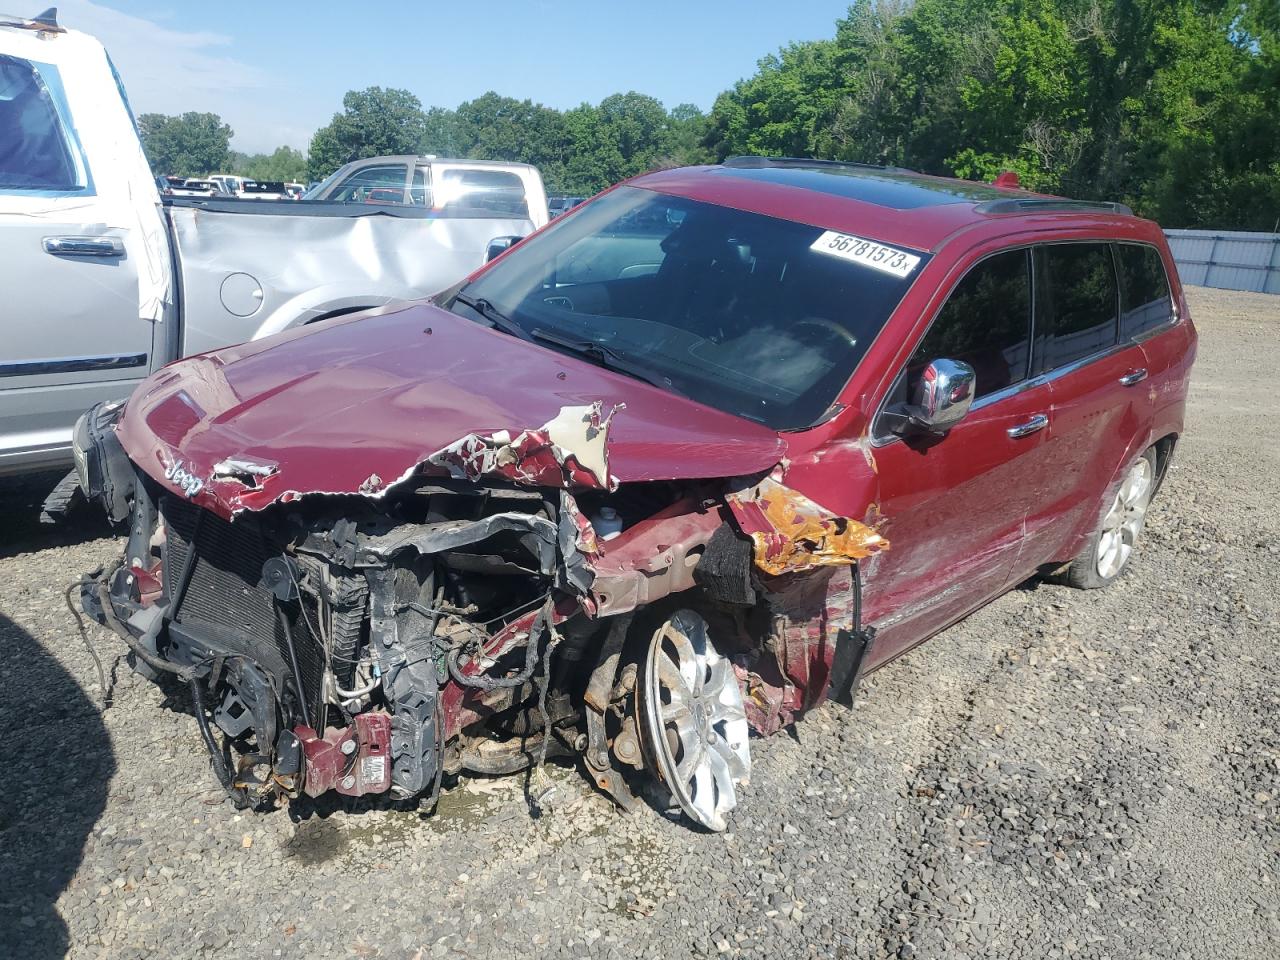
point(63, 501)
point(1107, 554)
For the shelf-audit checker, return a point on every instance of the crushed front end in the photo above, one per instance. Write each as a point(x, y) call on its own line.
point(502, 602)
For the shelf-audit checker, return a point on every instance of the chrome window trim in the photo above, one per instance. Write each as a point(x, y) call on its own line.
point(1031, 382)
point(31, 368)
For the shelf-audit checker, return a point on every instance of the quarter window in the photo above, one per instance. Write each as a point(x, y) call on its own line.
point(34, 151)
point(1075, 302)
point(1145, 302)
point(986, 323)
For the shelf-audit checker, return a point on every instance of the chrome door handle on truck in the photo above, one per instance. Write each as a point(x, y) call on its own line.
point(1034, 425)
point(1133, 376)
point(84, 246)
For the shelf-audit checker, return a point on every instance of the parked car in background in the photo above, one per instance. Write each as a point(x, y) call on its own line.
point(199, 188)
point(294, 191)
point(263, 190)
point(559, 205)
point(449, 188)
point(105, 282)
point(231, 185)
point(677, 468)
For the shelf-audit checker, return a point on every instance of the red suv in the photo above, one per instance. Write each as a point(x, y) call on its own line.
point(680, 466)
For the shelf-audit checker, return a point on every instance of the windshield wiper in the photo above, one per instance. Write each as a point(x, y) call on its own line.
point(491, 313)
point(605, 357)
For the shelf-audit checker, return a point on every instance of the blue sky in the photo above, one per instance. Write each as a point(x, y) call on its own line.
point(276, 71)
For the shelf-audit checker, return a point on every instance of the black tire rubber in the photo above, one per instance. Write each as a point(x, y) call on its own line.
point(1082, 572)
point(63, 501)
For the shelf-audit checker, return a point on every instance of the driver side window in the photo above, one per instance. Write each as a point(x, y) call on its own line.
point(357, 187)
point(986, 323)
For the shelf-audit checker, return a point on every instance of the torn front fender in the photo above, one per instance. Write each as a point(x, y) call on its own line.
point(808, 612)
point(791, 533)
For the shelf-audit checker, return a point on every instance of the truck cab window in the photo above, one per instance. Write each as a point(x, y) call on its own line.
point(34, 153)
point(385, 183)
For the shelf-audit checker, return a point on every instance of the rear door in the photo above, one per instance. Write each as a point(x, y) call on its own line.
point(1146, 311)
point(1100, 401)
point(69, 325)
point(955, 506)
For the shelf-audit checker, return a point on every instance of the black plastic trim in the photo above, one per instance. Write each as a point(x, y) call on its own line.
point(29, 368)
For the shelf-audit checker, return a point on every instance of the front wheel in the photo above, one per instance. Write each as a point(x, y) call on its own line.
point(1108, 551)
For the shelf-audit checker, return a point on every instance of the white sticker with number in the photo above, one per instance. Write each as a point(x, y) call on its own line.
point(866, 252)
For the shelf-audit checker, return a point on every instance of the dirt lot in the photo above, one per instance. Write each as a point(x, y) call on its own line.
point(1065, 774)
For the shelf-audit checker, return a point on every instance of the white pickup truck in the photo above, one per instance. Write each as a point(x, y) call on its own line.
point(105, 281)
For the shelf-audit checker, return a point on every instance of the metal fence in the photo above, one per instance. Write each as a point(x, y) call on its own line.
point(1232, 260)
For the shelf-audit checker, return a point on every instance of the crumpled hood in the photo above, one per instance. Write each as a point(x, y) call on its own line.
point(354, 404)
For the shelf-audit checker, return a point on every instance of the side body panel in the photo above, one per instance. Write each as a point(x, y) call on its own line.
point(87, 297)
point(1094, 423)
point(912, 593)
point(252, 269)
point(954, 513)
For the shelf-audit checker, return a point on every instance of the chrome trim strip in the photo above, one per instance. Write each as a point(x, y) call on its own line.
point(30, 368)
point(84, 246)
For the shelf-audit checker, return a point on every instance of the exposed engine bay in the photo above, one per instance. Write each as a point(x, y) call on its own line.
point(483, 614)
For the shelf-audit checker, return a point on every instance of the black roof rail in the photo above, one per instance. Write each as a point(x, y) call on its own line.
point(759, 163)
point(1051, 205)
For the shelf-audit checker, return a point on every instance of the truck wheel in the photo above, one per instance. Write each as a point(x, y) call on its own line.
point(1109, 550)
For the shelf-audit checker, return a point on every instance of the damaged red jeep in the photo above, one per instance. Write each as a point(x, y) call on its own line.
point(675, 469)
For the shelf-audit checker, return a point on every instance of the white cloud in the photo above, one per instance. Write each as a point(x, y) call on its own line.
point(172, 71)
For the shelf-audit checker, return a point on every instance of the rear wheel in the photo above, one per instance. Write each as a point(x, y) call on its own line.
point(1109, 550)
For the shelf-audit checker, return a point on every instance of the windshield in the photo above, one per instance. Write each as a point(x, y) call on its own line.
point(755, 316)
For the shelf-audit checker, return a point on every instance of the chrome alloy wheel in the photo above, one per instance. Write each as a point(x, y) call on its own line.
point(1123, 522)
point(695, 724)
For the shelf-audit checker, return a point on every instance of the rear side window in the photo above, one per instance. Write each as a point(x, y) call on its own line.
point(480, 193)
point(1076, 301)
point(986, 323)
point(35, 151)
point(1145, 302)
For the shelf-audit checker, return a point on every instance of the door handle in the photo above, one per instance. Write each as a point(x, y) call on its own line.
point(84, 246)
point(1025, 429)
point(1134, 376)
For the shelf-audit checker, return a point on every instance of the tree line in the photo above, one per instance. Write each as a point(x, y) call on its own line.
point(1172, 106)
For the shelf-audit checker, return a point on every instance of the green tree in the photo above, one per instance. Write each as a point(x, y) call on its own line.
point(188, 145)
point(284, 163)
point(689, 128)
point(627, 134)
point(373, 122)
point(1171, 105)
point(494, 127)
point(785, 109)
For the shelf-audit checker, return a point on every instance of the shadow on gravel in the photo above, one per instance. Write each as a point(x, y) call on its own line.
point(59, 761)
point(20, 502)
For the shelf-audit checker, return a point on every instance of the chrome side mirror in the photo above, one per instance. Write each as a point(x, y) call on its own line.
point(944, 394)
point(940, 398)
point(499, 245)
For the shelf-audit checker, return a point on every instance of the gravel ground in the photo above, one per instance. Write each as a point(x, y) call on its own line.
point(1065, 774)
